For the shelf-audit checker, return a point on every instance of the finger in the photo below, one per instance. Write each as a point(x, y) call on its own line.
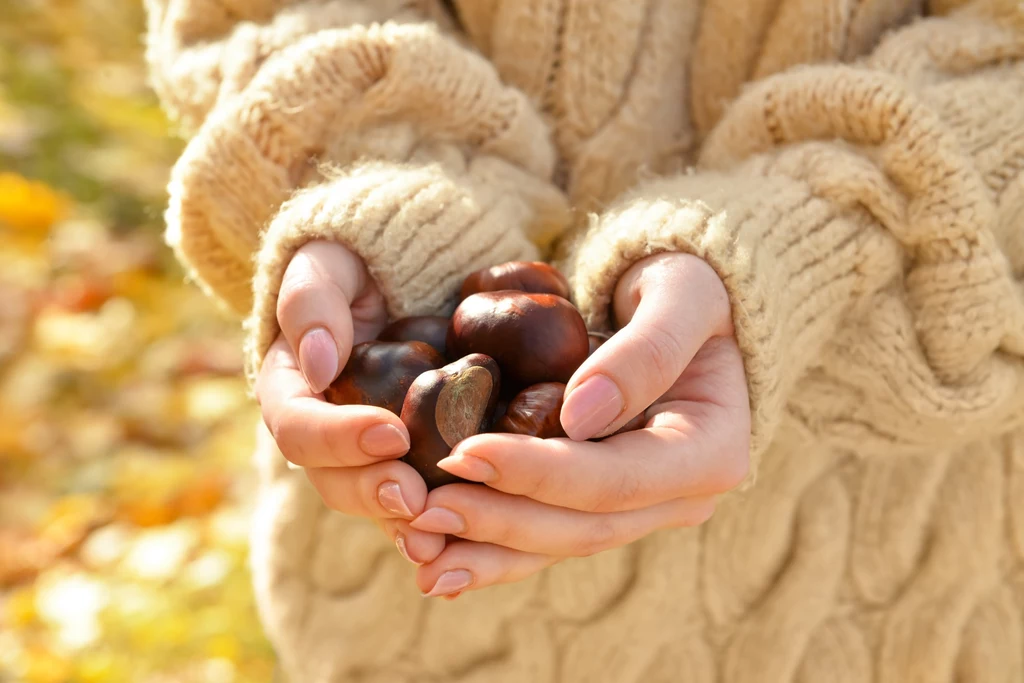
point(672, 304)
point(390, 489)
point(478, 513)
point(418, 547)
point(688, 449)
point(466, 566)
point(313, 433)
point(313, 308)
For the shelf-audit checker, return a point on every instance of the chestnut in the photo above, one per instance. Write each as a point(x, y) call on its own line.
point(533, 277)
point(499, 412)
point(533, 337)
point(380, 373)
point(429, 329)
point(535, 411)
point(596, 339)
point(445, 406)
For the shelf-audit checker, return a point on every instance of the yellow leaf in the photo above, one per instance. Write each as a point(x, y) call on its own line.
point(223, 646)
point(71, 517)
point(21, 608)
point(100, 667)
point(43, 666)
point(29, 205)
point(163, 631)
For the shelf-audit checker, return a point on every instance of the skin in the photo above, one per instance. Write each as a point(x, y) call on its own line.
point(545, 500)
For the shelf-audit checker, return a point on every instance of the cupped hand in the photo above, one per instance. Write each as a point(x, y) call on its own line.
point(674, 357)
point(328, 302)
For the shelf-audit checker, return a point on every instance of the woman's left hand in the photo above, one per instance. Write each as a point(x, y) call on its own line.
point(550, 499)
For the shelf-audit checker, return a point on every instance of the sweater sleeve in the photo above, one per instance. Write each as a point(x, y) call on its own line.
point(313, 121)
point(865, 219)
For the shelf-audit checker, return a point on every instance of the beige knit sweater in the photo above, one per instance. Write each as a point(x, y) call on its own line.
point(853, 169)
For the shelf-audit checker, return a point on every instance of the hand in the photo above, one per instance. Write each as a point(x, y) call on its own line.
point(549, 499)
point(328, 302)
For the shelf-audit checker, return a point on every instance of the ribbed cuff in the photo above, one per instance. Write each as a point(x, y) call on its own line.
point(318, 100)
point(788, 259)
point(419, 229)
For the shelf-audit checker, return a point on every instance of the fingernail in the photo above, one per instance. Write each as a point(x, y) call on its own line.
point(383, 440)
point(469, 467)
point(400, 543)
point(390, 496)
point(318, 359)
point(591, 407)
point(452, 581)
point(440, 521)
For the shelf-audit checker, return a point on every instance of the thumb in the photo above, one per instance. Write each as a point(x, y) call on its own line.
point(314, 309)
point(671, 304)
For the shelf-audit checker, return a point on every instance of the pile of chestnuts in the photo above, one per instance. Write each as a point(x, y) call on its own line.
point(499, 364)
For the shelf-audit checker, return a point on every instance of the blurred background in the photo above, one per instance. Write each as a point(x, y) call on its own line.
point(125, 430)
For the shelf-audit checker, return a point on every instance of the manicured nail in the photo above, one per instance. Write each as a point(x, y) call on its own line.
point(591, 407)
point(469, 467)
point(390, 496)
point(400, 543)
point(440, 521)
point(383, 440)
point(318, 359)
point(452, 581)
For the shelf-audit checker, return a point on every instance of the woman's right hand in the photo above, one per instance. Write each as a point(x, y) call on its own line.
point(328, 302)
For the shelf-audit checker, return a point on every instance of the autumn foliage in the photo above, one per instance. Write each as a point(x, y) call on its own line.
point(125, 429)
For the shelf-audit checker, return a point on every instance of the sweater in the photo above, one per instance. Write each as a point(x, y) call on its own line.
point(853, 171)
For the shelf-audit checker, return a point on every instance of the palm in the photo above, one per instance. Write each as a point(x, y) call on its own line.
point(712, 390)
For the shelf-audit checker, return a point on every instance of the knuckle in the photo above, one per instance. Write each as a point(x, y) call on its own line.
point(623, 490)
point(662, 350)
point(300, 439)
point(323, 482)
point(317, 436)
point(296, 287)
point(504, 533)
point(539, 486)
point(698, 514)
point(734, 466)
point(283, 434)
point(599, 536)
point(692, 512)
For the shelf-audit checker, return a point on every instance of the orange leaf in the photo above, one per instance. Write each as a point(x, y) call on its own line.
point(29, 205)
point(201, 496)
point(147, 513)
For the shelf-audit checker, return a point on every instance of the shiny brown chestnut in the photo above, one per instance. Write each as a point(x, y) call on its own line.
point(596, 339)
point(429, 329)
point(380, 373)
point(499, 412)
point(533, 277)
point(535, 411)
point(534, 337)
point(445, 406)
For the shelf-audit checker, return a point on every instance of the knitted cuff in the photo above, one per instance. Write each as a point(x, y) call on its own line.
point(788, 259)
point(331, 90)
point(420, 229)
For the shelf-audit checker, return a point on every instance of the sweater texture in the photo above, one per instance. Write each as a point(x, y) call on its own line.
point(854, 172)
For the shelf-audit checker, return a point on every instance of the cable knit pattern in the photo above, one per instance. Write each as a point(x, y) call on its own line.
point(253, 153)
point(855, 176)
